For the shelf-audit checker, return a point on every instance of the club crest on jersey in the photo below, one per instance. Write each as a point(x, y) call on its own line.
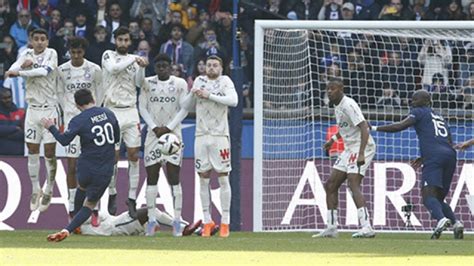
point(171, 89)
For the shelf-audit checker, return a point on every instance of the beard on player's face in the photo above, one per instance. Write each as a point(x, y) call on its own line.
point(122, 49)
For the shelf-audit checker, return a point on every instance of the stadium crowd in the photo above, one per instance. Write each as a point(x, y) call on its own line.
point(191, 30)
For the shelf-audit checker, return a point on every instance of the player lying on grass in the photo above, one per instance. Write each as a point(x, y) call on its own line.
point(124, 225)
point(438, 158)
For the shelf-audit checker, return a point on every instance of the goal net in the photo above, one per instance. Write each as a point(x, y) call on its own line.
point(381, 66)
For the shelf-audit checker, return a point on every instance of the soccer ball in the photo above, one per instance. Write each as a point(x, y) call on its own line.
point(169, 144)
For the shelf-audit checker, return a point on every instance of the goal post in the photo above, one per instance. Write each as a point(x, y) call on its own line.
point(381, 64)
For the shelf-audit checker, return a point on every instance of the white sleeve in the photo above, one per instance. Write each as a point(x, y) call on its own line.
point(17, 65)
point(354, 113)
point(60, 88)
point(109, 62)
point(99, 90)
point(40, 71)
point(140, 77)
point(230, 98)
point(142, 107)
point(49, 65)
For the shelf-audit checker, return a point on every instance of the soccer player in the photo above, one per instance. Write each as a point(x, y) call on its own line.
point(124, 225)
point(212, 94)
point(437, 156)
point(359, 150)
point(159, 102)
point(464, 145)
point(77, 73)
point(38, 65)
point(122, 74)
point(99, 131)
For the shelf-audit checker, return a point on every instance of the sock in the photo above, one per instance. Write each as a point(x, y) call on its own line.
point(363, 215)
point(178, 201)
point(205, 199)
point(113, 180)
point(332, 218)
point(151, 193)
point(133, 177)
point(79, 200)
point(434, 206)
point(226, 195)
point(448, 212)
point(51, 165)
point(96, 208)
point(82, 215)
point(72, 196)
point(33, 171)
point(163, 217)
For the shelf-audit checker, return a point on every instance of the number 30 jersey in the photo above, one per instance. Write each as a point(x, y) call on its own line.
point(432, 130)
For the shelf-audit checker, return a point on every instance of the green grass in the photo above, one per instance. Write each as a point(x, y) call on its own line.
point(31, 247)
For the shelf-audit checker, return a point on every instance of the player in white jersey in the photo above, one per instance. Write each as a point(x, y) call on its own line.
point(212, 94)
point(78, 73)
point(159, 102)
point(122, 74)
point(38, 66)
point(359, 150)
point(124, 225)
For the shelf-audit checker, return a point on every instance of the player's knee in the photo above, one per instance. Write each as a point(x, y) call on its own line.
point(151, 180)
point(33, 148)
point(353, 184)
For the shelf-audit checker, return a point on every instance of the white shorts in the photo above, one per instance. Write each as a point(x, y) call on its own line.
point(212, 152)
point(73, 150)
point(129, 123)
point(124, 225)
point(347, 161)
point(152, 154)
point(34, 130)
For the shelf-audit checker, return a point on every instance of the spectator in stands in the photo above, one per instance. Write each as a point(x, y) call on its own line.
point(100, 14)
point(209, 46)
point(466, 66)
point(60, 42)
point(177, 71)
point(7, 16)
point(366, 9)
point(42, 13)
point(274, 6)
point(468, 94)
point(55, 23)
point(357, 77)
point(331, 10)
point(136, 34)
point(146, 27)
point(420, 9)
point(113, 20)
point(188, 12)
point(11, 125)
point(224, 31)
point(400, 75)
point(195, 34)
point(152, 9)
point(174, 17)
point(435, 10)
point(198, 70)
point(144, 50)
point(307, 9)
point(389, 98)
point(396, 11)
point(435, 58)
point(19, 30)
point(454, 10)
point(348, 11)
point(83, 28)
point(9, 53)
point(470, 11)
point(440, 94)
point(180, 51)
point(99, 45)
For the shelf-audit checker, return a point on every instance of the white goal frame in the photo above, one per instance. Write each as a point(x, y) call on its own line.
point(260, 26)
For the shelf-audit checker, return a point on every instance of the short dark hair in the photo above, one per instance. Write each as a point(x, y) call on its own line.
point(39, 31)
point(162, 57)
point(335, 81)
point(78, 42)
point(83, 97)
point(215, 57)
point(122, 30)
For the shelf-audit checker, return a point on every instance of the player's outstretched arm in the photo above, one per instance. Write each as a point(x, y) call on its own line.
point(65, 138)
point(396, 127)
point(464, 145)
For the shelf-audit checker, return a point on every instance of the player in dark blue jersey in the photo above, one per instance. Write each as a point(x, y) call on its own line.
point(98, 131)
point(438, 158)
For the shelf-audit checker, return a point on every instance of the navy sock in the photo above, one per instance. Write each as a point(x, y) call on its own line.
point(448, 212)
point(81, 216)
point(79, 200)
point(434, 206)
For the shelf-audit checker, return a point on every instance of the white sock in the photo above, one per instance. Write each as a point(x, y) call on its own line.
point(51, 165)
point(113, 181)
point(178, 201)
point(332, 218)
point(133, 178)
point(72, 195)
point(33, 171)
point(363, 215)
point(226, 195)
point(163, 217)
point(151, 193)
point(205, 199)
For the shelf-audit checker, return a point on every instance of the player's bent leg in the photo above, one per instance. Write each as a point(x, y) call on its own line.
point(71, 182)
point(33, 171)
point(112, 203)
point(432, 197)
point(354, 180)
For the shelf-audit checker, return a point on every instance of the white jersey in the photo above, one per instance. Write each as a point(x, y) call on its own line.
point(121, 225)
point(162, 100)
point(211, 116)
point(71, 79)
point(121, 75)
point(348, 116)
point(40, 88)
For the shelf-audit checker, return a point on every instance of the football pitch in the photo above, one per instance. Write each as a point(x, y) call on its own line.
point(241, 248)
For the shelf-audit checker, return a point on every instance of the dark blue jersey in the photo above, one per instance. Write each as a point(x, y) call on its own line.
point(433, 133)
point(98, 130)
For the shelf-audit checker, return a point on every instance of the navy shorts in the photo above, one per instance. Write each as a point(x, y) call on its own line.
point(95, 186)
point(439, 172)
